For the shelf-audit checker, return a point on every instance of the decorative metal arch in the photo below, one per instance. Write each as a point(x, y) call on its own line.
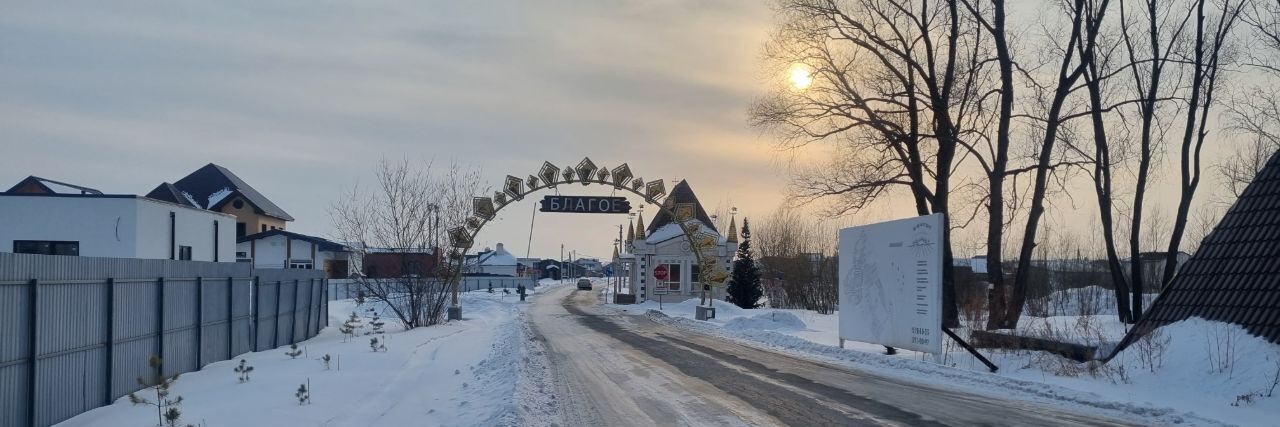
point(485, 209)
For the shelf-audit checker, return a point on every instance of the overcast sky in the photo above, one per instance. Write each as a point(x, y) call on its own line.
point(301, 99)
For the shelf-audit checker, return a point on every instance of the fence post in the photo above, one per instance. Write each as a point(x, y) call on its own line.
point(199, 322)
point(111, 337)
point(160, 321)
point(33, 341)
point(257, 294)
point(275, 330)
point(231, 330)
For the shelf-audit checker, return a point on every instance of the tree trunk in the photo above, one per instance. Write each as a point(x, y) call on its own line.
point(996, 304)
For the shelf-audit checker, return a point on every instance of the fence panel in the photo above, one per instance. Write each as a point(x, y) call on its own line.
point(77, 332)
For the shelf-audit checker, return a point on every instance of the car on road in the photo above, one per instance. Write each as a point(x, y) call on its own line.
point(584, 284)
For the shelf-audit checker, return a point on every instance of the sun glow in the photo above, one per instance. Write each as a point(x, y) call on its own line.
point(800, 76)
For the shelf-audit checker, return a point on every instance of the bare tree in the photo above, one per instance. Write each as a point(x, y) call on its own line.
point(797, 260)
point(1207, 64)
point(1255, 112)
point(402, 219)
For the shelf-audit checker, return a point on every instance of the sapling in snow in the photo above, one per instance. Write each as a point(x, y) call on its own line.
point(377, 346)
point(293, 352)
point(376, 324)
point(326, 361)
point(244, 369)
point(303, 394)
point(167, 410)
point(350, 326)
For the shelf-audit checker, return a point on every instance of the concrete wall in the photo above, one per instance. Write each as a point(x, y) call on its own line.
point(104, 226)
point(194, 228)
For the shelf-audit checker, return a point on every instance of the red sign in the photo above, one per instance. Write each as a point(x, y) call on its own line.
point(660, 272)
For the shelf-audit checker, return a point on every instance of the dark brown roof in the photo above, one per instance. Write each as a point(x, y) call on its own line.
point(168, 193)
point(681, 193)
point(212, 178)
point(1235, 275)
point(37, 185)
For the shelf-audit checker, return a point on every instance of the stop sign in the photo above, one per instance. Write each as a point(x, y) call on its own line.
point(660, 272)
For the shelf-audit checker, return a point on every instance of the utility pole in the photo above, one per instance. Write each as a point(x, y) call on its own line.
point(562, 272)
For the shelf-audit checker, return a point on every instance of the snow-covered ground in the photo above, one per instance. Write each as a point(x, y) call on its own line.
point(1203, 370)
point(459, 373)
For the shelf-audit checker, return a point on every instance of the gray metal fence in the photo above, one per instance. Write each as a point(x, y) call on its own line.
point(77, 332)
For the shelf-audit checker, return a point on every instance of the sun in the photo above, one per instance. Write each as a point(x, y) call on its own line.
point(800, 76)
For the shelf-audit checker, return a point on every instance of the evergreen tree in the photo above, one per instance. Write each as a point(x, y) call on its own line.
point(326, 359)
point(167, 411)
point(303, 394)
point(350, 326)
point(744, 286)
point(376, 346)
point(293, 352)
point(243, 370)
point(376, 323)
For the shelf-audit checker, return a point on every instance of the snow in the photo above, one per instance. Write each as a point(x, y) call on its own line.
point(190, 199)
point(1140, 385)
point(216, 197)
point(459, 373)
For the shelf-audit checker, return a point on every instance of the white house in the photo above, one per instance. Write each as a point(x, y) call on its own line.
point(663, 246)
point(497, 262)
point(285, 249)
point(89, 223)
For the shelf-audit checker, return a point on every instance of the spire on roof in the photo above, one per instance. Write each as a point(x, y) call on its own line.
point(733, 229)
point(640, 226)
point(631, 232)
point(681, 194)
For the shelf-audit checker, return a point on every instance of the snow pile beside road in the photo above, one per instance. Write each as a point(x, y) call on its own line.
point(774, 321)
point(911, 366)
point(459, 373)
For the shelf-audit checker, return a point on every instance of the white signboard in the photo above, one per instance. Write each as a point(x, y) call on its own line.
point(891, 283)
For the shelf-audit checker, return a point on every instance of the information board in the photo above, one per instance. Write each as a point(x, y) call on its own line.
point(891, 283)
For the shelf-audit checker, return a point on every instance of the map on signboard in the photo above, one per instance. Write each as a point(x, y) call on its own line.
point(891, 283)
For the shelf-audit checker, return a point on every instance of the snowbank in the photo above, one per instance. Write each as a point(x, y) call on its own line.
point(1175, 368)
point(460, 373)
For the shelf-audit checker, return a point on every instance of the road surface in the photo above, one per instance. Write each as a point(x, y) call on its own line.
point(623, 369)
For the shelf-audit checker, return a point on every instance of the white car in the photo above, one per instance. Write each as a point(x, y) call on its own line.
point(584, 284)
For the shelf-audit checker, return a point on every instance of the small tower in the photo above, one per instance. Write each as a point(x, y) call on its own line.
point(631, 232)
point(733, 229)
point(640, 225)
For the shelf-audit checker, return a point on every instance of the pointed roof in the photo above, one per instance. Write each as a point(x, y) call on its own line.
point(640, 226)
point(213, 185)
point(1234, 276)
point(681, 193)
point(733, 229)
point(37, 185)
point(168, 193)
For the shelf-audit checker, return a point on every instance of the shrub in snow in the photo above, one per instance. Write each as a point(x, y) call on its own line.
point(377, 346)
point(376, 323)
point(350, 326)
point(244, 370)
point(303, 394)
point(326, 360)
point(167, 409)
point(293, 352)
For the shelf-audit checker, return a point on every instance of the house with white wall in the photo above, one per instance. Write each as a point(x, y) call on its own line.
point(497, 262)
point(663, 244)
point(36, 216)
point(285, 249)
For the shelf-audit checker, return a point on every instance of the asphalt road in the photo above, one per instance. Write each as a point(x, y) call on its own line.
point(621, 369)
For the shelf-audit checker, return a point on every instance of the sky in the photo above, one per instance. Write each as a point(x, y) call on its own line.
point(301, 99)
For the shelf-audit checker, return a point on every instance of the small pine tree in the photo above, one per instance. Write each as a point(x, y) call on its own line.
point(167, 409)
point(376, 323)
point(293, 352)
point(243, 370)
point(350, 326)
point(360, 297)
point(490, 287)
point(326, 361)
point(744, 288)
point(303, 394)
point(377, 346)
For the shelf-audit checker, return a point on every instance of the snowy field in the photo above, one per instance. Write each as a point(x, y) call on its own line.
point(459, 373)
point(1213, 373)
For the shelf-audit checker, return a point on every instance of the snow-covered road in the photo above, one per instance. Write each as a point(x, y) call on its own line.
point(612, 368)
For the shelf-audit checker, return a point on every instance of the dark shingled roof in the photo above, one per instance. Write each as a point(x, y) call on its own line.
point(681, 194)
point(212, 178)
point(168, 193)
point(45, 185)
point(1235, 275)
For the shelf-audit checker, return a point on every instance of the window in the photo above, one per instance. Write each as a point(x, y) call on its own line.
point(184, 253)
point(242, 254)
point(46, 247)
point(264, 227)
point(305, 265)
point(239, 204)
point(673, 277)
point(240, 229)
